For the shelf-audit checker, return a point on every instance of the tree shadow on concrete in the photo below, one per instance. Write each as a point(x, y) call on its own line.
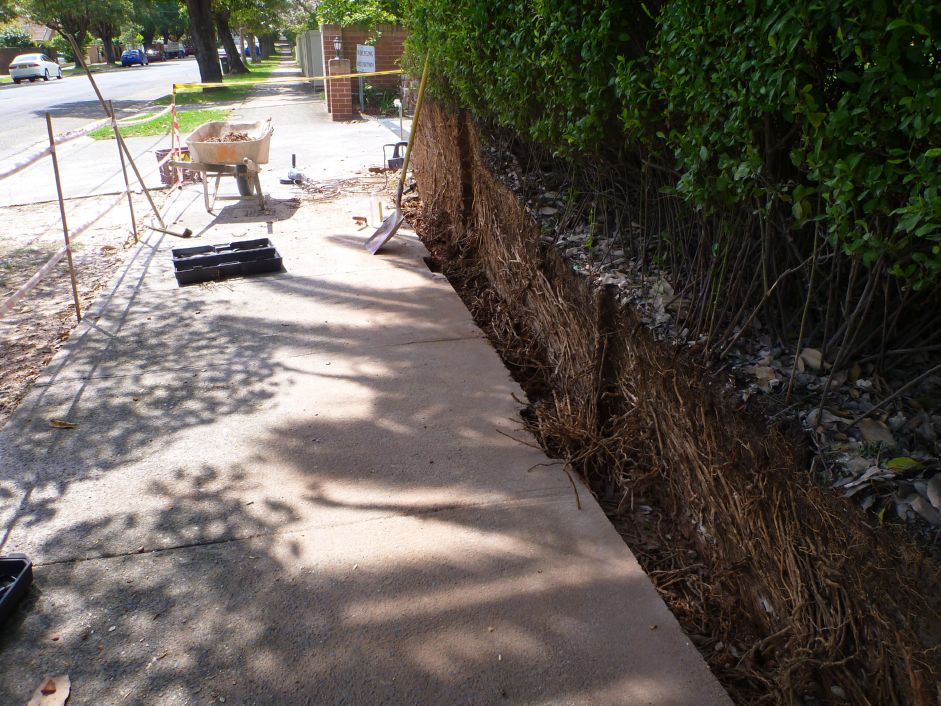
point(264, 508)
point(467, 608)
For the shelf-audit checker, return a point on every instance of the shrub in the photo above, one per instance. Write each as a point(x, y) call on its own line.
point(15, 36)
point(367, 13)
point(831, 108)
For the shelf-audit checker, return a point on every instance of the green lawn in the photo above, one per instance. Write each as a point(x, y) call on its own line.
point(237, 87)
point(189, 121)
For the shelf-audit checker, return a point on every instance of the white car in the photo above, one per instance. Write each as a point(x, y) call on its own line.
point(33, 66)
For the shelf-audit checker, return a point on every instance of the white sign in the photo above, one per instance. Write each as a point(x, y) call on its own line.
point(365, 58)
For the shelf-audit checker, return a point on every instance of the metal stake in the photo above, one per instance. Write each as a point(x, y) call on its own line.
point(65, 226)
point(127, 184)
point(81, 60)
point(176, 146)
point(110, 114)
point(140, 179)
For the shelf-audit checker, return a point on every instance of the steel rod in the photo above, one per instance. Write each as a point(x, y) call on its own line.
point(176, 142)
point(127, 183)
point(140, 179)
point(117, 135)
point(65, 225)
point(81, 60)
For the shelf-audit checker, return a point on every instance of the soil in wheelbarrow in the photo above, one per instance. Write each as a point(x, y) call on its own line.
point(231, 136)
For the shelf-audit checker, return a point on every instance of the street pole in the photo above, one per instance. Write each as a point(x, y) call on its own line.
point(65, 226)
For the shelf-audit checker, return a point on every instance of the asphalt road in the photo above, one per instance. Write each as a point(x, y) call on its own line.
point(72, 100)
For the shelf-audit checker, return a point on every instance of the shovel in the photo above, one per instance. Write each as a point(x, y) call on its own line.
point(391, 224)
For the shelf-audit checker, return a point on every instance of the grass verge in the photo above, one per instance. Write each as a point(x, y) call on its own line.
point(237, 87)
point(189, 121)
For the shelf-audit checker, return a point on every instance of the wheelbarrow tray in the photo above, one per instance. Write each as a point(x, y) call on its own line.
point(211, 262)
point(255, 148)
point(16, 574)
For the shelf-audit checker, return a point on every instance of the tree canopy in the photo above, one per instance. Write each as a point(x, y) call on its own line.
point(367, 13)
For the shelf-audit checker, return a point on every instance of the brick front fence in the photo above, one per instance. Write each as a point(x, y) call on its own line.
point(388, 54)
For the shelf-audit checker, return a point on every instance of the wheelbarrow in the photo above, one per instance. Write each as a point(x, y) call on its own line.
point(241, 159)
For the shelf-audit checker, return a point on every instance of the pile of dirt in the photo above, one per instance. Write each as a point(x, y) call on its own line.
point(787, 591)
point(230, 136)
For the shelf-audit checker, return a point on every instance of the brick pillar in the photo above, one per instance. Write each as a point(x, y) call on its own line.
point(340, 96)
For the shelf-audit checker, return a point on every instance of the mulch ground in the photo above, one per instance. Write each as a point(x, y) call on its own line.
point(32, 333)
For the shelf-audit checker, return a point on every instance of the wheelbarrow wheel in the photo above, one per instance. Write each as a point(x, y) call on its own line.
point(246, 186)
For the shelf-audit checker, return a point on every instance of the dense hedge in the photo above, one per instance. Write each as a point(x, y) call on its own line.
point(367, 13)
point(14, 36)
point(832, 107)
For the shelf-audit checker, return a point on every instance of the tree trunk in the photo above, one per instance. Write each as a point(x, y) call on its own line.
point(267, 46)
point(251, 46)
point(236, 65)
point(108, 41)
point(201, 32)
point(79, 30)
point(105, 30)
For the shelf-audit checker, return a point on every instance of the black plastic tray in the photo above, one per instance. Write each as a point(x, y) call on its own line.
point(209, 262)
point(16, 574)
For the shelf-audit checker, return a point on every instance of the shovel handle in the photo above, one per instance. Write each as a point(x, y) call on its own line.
point(411, 134)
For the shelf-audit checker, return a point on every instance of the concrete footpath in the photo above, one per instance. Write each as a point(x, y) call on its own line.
point(310, 487)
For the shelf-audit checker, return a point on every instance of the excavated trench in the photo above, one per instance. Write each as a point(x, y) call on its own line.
point(787, 592)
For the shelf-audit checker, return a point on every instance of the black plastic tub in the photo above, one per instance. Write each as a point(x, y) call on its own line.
point(16, 574)
point(210, 262)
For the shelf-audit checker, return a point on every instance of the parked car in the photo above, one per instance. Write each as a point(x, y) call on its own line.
point(174, 50)
point(133, 56)
point(156, 54)
point(189, 50)
point(33, 66)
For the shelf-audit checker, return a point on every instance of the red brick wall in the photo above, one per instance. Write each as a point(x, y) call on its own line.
point(388, 49)
point(340, 100)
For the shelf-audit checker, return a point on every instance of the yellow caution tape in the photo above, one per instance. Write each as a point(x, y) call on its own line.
point(294, 79)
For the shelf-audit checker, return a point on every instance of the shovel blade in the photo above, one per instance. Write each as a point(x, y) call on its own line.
point(384, 232)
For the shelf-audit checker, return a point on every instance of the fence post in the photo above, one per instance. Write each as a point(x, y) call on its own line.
point(127, 183)
point(341, 90)
point(65, 226)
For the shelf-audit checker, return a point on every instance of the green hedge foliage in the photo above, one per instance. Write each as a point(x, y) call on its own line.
point(831, 107)
point(14, 36)
point(367, 13)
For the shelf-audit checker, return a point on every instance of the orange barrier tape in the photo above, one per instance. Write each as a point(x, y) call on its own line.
point(296, 79)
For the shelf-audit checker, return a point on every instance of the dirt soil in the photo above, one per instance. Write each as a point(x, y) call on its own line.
point(44, 319)
point(231, 136)
point(789, 594)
